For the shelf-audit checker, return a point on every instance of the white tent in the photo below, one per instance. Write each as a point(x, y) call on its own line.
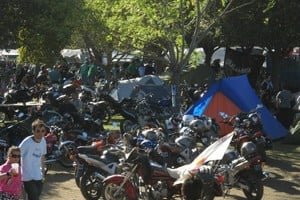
point(9, 54)
point(74, 55)
point(149, 84)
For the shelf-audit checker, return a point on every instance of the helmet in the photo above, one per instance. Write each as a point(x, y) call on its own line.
point(186, 119)
point(198, 125)
point(248, 149)
point(207, 122)
point(149, 134)
point(254, 117)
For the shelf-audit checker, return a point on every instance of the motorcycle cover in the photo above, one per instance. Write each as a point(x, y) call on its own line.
point(214, 151)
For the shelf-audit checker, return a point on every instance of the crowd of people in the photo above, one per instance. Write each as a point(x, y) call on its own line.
point(88, 73)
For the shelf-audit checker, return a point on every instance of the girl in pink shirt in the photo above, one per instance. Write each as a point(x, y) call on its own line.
point(10, 179)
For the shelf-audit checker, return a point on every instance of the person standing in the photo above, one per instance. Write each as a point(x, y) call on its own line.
point(83, 72)
point(10, 178)
point(141, 70)
point(54, 74)
point(33, 150)
point(133, 68)
point(92, 73)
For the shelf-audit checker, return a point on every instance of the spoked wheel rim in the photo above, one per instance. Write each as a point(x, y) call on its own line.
point(110, 190)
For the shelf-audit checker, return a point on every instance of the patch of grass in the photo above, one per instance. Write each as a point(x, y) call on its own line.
point(114, 123)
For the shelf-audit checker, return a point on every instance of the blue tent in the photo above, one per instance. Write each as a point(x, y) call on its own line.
point(232, 95)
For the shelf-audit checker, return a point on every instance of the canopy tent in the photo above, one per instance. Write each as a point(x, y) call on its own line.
point(148, 84)
point(233, 95)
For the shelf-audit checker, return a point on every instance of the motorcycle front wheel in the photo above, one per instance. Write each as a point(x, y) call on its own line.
point(91, 185)
point(109, 192)
point(256, 190)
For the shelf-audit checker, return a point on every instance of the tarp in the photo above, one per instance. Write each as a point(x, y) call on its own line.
point(232, 95)
point(148, 84)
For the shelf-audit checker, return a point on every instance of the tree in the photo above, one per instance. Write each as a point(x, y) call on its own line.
point(46, 28)
point(280, 35)
point(11, 17)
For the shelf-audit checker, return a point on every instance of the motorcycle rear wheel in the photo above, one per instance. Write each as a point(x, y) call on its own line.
point(90, 185)
point(109, 190)
point(66, 154)
point(256, 190)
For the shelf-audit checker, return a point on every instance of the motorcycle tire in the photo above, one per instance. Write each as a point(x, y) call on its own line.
point(91, 185)
point(78, 174)
point(110, 188)
point(77, 179)
point(66, 150)
point(256, 189)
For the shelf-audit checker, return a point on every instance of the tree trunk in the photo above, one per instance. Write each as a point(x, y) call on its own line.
point(276, 57)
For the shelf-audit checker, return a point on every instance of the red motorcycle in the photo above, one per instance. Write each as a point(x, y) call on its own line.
point(143, 179)
point(58, 150)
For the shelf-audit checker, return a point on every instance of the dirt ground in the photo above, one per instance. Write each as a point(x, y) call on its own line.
point(283, 166)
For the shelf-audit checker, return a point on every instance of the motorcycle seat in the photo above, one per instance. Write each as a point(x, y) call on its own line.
point(87, 150)
point(108, 157)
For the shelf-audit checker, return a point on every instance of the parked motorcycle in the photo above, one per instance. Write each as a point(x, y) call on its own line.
point(57, 150)
point(249, 128)
point(96, 148)
point(242, 171)
point(139, 114)
point(98, 167)
point(14, 134)
point(142, 179)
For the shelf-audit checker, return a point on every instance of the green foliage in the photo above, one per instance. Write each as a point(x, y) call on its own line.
point(196, 57)
point(46, 29)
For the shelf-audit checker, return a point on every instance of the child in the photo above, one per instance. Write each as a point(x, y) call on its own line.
point(10, 178)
